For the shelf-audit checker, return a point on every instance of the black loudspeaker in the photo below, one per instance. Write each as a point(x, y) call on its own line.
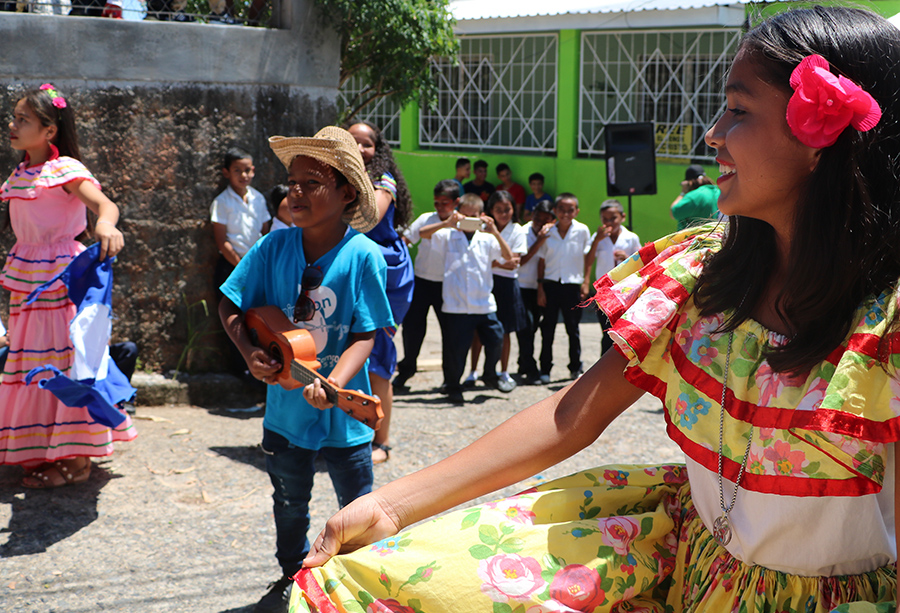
point(630, 159)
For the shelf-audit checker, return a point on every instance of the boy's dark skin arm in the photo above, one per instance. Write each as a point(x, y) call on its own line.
point(263, 366)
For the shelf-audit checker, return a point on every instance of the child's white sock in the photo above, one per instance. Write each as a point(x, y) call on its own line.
point(473, 376)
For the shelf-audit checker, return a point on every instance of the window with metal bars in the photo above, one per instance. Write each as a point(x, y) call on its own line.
point(673, 78)
point(500, 95)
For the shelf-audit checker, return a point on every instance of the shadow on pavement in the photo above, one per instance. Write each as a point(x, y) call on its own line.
point(251, 455)
point(41, 518)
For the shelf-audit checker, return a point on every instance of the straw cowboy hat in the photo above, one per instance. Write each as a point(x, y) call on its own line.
point(337, 148)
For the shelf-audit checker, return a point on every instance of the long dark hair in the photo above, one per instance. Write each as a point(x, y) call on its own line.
point(66, 139)
point(383, 162)
point(845, 245)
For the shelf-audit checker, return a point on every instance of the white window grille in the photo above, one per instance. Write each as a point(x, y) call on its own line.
point(384, 112)
point(674, 78)
point(501, 94)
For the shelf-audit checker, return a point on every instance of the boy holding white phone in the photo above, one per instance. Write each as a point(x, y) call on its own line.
point(469, 305)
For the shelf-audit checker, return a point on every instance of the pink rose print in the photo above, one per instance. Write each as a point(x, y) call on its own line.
point(771, 384)
point(509, 576)
point(388, 606)
point(628, 288)
point(618, 533)
point(577, 587)
point(786, 462)
point(651, 312)
point(814, 396)
point(513, 510)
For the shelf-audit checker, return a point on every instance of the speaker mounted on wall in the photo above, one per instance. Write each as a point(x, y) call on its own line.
point(630, 159)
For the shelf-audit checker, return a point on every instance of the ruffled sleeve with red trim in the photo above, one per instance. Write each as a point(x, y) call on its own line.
point(26, 182)
point(819, 433)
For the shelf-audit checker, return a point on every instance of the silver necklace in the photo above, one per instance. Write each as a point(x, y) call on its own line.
point(722, 526)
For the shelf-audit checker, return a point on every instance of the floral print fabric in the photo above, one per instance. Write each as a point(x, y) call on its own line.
point(628, 538)
point(618, 538)
point(820, 433)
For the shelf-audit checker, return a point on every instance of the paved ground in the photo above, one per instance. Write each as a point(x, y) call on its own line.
point(180, 519)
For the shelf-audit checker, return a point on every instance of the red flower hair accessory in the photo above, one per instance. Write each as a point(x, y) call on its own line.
point(824, 104)
point(57, 100)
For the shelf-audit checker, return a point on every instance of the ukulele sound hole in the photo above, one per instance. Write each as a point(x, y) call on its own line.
point(275, 352)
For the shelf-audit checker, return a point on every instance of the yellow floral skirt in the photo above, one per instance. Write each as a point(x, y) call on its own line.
point(615, 538)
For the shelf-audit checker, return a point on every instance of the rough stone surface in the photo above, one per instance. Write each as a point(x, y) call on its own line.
point(157, 152)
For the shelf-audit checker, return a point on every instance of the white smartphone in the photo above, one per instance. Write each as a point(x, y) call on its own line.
point(470, 224)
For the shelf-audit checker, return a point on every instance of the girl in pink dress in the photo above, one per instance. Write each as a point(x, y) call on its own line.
point(47, 194)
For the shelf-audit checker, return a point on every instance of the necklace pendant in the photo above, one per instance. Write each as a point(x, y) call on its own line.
point(722, 530)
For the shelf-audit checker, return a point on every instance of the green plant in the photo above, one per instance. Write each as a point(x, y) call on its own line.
point(197, 332)
point(389, 44)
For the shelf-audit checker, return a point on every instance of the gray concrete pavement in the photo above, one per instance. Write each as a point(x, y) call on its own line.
point(181, 519)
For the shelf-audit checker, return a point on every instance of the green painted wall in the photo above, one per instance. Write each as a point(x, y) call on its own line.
point(586, 178)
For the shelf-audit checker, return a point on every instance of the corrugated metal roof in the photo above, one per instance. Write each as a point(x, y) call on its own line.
point(502, 9)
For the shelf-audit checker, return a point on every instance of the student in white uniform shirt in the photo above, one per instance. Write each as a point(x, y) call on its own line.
point(429, 278)
point(536, 232)
point(510, 307)
point(561, 273)
point(469, 305)
point(611, 245)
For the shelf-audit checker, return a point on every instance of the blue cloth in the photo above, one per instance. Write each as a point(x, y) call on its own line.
point(100, 384)
point(292, 470)
point(531, 201)
point(351, 300)
point(400, 273)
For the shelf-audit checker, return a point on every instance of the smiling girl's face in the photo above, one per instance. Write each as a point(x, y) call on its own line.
point(502, 212)
point(763, 166)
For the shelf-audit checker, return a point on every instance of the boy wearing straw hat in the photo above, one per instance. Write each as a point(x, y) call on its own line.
point(330, 278)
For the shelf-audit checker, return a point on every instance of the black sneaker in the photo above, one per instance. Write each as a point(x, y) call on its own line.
point(456, 398)
point(277, 598)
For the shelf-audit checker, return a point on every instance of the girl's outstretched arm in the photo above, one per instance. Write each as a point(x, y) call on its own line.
point(105, 231)
point(534, 439)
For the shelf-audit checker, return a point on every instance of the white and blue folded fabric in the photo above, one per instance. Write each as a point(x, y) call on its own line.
point(95, 382)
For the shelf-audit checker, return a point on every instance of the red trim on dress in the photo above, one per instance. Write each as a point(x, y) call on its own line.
point(770, 484)
point(314, 594)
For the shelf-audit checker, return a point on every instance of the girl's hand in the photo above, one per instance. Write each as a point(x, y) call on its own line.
point(314, 394)
point(360, 523)
point(544, 232)
point(111, 240)
point(489, 224)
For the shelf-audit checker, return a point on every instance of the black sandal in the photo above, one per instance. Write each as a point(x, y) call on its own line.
point(385, 448)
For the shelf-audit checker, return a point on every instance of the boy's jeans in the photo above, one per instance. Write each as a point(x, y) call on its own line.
point(291, 470)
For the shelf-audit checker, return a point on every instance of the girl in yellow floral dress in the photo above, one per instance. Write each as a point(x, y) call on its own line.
point(773, 341)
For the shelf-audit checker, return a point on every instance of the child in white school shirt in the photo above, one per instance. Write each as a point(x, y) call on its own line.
point(469, 305)
point(611, 245)
point(562, 268)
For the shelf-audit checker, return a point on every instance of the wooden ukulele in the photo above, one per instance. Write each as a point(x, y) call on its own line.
point(271, 330)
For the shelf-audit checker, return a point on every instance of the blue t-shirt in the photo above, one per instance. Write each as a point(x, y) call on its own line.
point(351, 299)
point(531, 201)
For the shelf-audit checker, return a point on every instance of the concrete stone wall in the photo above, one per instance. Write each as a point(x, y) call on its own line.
point(157, 104)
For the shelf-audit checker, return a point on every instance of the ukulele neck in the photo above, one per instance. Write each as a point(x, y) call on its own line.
point(307, 376)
